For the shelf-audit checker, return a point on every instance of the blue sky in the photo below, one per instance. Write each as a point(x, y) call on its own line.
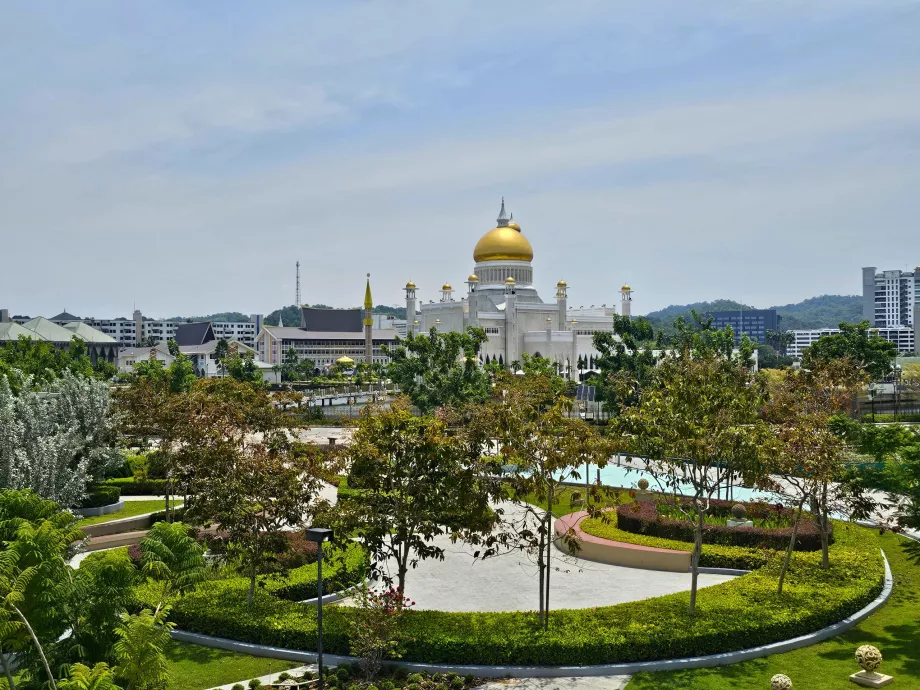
point(181, 156)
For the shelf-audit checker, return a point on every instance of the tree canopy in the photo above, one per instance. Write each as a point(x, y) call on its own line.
point(870, 352)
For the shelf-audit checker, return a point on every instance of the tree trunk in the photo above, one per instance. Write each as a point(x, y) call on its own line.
point(819, 508)
point(540, 555)
point(795, 531)
point(549, 554)
point(403, 567)
point(6, 670)
point(695, 559)
point(38, 647)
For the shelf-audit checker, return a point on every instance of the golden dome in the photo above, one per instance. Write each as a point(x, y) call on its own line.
point(510, 281)
point(344, 359)
point(446, 286)
point(503, 243)
point(514, 226)
point(562, 283)
point(410, 285)
point(625, 288)
point(473, 278)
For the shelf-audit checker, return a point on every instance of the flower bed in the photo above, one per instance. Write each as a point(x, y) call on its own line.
point(646, 518)
point(738, 614)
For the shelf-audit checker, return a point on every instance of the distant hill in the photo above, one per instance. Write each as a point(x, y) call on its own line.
point(825, 311)
point(291, 314)
point(231, 316)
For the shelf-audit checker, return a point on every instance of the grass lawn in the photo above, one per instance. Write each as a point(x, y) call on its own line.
point(894, 629)
point(562, 503)
point(193, 667)
point(131, 509)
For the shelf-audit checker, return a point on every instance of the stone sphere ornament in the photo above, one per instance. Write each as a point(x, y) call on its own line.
point(739, 511)
point(643, 484)
point(780, 682)
point(869, 658)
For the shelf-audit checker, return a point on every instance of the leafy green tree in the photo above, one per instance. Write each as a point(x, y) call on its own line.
point(541, 447)
point(625, 363)
point(242, 367)
point(82, 677)
point(173, 558)
point(142, 639)
point(871, 353)
point(413, 481)
point(698, 423)
point(221, 352)
point(439, 368)
point(42, 362)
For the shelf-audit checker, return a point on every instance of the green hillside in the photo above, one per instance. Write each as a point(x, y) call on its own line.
point(825, 311)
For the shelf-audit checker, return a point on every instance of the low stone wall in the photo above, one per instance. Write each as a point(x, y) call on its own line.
point(131, 524)
point(618, 553)
point(101, 510)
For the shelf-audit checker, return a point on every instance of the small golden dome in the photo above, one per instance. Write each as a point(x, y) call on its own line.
point(510, 281)
point(503, 243)
point(344, 359)
point(473, 278)
point(446, 286)
point(410, 285)
point(514, 226)
point(625, 288)
point(562, 283)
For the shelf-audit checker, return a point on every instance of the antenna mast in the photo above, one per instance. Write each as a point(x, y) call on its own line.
point(297, 299)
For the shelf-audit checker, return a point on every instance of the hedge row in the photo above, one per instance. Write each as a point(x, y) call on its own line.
point(130, 487)
point(741, 613)
point(100, 495)
point(644, 518)
point(886, 418)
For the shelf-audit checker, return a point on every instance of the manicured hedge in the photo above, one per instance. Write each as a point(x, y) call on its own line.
point(101, 495)
point(644, 518)
point(130, 487)
point(741, 613)
point(887, 418)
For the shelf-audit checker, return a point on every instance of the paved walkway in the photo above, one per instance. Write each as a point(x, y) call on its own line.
point(509, 582)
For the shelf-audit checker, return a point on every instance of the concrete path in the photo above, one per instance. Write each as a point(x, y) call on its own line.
point(509, 582)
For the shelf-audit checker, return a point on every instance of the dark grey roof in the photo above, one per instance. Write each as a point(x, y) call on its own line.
point(312, 319)
point(194, 333)
point(65, 316)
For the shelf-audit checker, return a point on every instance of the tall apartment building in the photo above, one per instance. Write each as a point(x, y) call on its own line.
point(889, 298)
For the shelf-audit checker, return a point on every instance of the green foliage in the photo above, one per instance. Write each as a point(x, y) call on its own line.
point(101, 495)
point(872, 353)
point(173, 558)
point(82, 677)
point(733, 615)
point(42, 362)
point(140, 650)
point(290, 315)
point(625, 364)
point(439, 368)
point(242, 367)
point(129, 486)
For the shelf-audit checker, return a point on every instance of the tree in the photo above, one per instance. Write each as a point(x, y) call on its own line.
point(625, 363)
point(35, 535)
point(439, 368)
point(872, 354)
point(810, 454)
point(698, 424)
point(42, 362)
point(82, 677)
point(412, 481)
point(54, 442)
point(139, 650)
point(543, 447)
point(242, 367)
point(221, 352)
point(173, 558)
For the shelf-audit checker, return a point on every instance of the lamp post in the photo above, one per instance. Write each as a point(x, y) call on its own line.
point(872, 399)
point(318, 535)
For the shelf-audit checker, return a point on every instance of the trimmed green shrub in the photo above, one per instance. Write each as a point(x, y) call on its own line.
point(238, 686)
point(255, 684)
point(646, 518)
point(100, 495)
point(284, 676)
point(456, 682)
point(468, 678)
point(400, 673)
point(416, 678)
point(343, 673)
point(741, 613)
point(387, 685)
point(307, 675)
point(130, 487)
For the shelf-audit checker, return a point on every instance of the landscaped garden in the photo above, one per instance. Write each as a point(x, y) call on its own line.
point(131, 509)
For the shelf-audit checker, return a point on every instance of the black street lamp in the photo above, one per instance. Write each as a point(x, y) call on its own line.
point(318, 535)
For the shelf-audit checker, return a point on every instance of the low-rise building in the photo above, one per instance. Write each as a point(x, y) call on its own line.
point(901, 336)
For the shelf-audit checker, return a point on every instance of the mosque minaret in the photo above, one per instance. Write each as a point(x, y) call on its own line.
point(502, 300)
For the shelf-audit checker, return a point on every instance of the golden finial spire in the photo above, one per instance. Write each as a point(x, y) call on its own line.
point(368, 302)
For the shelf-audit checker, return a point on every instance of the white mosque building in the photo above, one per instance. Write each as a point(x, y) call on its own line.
point(501, 299)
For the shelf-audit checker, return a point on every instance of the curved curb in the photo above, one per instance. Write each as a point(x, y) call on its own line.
point(100, 510)
point(333, 597)
point(562, 671)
